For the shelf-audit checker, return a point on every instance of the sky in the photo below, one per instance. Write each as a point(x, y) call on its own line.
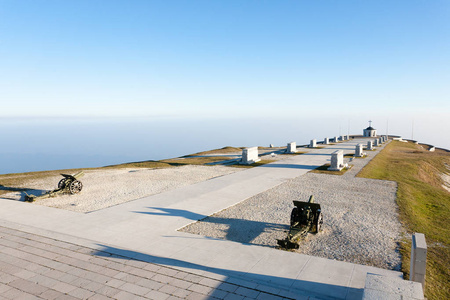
point(346, 61)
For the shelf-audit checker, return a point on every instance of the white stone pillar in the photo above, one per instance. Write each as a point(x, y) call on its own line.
point(326, 141)
point(337, 161)
point(369, 145)
point(313, 144)
point(336, 139)
point(291, 147)
point(376, 143)
point(359, 150)
point(418, 259)
point(249, 156)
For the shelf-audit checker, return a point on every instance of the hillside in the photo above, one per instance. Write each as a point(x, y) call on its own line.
point(424, 205)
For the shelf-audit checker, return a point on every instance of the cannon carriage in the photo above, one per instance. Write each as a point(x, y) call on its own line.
point(68, 185)
point(305, 217)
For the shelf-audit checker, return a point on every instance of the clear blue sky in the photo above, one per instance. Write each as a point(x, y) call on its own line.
point(158, 58)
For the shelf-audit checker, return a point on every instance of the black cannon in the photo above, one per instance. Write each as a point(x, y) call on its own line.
point(69, 184)
point(305, 217)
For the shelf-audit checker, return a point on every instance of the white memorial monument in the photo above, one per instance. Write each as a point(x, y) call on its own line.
point(376, 142)
point(337, 161)
point(370, 145)
point(313, 143)
point(326, 141)
point(336, 139)
point(359, 151)
point(249, 156)
point(291, 147)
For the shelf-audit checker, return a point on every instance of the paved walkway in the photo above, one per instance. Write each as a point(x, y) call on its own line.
point(145, 230)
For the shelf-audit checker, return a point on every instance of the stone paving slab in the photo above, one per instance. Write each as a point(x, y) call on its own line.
point(38, 267)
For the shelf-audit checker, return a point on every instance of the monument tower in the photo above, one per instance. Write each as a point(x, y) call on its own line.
point(370, 131)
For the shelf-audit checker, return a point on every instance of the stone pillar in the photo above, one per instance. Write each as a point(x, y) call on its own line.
point(249, 156)
point(380, 141)
point(418, 259)
point(359, 150)
point(336, 139)
point(376, 143)
point(313, 144)
point(369, 145)
point(291, 147)
point(337, 161)
point(326, 141)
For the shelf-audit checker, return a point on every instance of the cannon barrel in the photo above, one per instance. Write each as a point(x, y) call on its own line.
point(74, 176)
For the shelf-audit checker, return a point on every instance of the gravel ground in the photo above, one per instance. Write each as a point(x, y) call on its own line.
point(105, 188)
point(360, 217)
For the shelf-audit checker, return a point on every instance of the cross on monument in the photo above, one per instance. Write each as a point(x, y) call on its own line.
point(370, 123)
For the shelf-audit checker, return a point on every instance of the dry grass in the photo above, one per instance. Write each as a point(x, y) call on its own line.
point(223, 150)
point(324, 170)
point(424, 205)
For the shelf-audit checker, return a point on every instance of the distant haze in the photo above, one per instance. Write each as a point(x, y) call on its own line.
point(46, 144)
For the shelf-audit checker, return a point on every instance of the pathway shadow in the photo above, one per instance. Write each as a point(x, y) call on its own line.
point(173, 212)
point(237, 230)
point(288, 166)
point(297, 287)
point(22, 192)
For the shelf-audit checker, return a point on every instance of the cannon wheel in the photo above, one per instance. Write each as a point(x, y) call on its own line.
point(294, 216)
point(319, 222)
point(62, 183)
point(75, 187)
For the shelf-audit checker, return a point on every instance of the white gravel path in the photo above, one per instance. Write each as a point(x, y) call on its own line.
point(360, 218)
point(107, 187)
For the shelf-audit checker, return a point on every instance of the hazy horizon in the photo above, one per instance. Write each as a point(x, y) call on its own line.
point(61, 143)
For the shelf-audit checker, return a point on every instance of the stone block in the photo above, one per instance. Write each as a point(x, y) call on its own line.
point(313, 144)
point(418, 258)
point(386, 287)
point(369, 145)
point(336, 139)
point(337, 161)
point(359, 150)
point(291, 147)
point(376, 143)
point(326, 141)
point(249, 156)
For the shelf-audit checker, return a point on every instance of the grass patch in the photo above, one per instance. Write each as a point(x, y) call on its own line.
point(150, 164)
point(324, 170)
point(223, 150)
point(424, 206)
point(296, 153)
point(186, 160)
point(256, 164)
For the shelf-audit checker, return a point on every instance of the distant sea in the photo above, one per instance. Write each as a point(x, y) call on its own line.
point(40, 144)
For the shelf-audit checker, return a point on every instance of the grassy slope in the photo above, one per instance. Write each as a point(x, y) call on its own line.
point(424, 206)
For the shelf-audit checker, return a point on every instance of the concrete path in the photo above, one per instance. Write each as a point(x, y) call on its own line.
point(145, 229)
